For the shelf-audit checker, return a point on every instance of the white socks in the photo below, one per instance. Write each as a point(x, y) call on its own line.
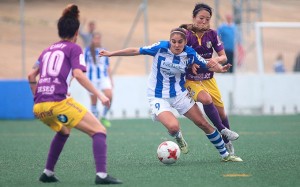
point(102, 175)
point(48, 172)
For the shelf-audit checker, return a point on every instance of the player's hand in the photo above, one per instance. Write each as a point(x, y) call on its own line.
point(195, 67)
point(105, 100)
point(104, 53)
point(211, 63)
point(226, 67)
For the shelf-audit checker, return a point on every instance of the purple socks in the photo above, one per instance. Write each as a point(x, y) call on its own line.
point(56, 147)
point(226, 123)
point(213, 114)
point(99, 150)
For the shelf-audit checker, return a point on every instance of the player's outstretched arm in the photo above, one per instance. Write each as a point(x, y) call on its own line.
point(85, 82)
point(123, 52)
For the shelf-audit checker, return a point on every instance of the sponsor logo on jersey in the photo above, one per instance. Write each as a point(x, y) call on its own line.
point(43, 114)
point(62, 118)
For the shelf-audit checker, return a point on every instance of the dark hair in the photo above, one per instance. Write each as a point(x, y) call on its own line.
point(92, 47)
point(180, 31)
point(201, 6)
point(68, 23)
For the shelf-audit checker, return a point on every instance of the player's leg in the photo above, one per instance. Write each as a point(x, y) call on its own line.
point(213, 90)
point(94, 108)
point(168, 119)
point(200, 94)
point(228, 143)
point(210, 109)
point(195, 115)
point(223, 116)
point(91, 126)
point(56, 148)
point(161, 111)
point(200, 91)
point(94, 99)
point(46, 112)
point(108, 93)
point(217, 100)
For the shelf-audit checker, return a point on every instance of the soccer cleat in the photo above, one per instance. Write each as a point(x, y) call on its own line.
point(231, 158)
point(230, 148)
point(182, 145)
point(107, 180)
point(229, 134)
point(105, 122)
point(46, 179)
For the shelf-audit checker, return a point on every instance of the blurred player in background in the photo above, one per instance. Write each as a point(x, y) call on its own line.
point(203, 86)
point(87, 36)
point(55, 66)
point(99, 73)
point(166, 87)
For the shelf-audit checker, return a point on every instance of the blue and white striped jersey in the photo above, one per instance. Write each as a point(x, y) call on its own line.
point(167, 77)
point(96, 70)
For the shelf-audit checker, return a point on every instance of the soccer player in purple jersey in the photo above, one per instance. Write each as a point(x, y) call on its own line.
point(61, 113)
point(166, 89)
point(203, 86)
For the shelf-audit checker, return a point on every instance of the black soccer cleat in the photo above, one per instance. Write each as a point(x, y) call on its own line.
point(46, 179)
point(107, 180)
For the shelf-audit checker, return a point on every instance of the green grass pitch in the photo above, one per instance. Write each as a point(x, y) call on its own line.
point(269, 146)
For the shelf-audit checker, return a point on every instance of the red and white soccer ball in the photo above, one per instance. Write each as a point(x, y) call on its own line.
point(168, 152)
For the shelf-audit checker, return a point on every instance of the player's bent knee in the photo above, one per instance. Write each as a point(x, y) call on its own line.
point(204, 98)
point(99, 129)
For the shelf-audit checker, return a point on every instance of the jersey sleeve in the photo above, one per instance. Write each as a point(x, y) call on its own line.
point(38, 62)
point(77, 59)
point(197, 58)
point(151, 49)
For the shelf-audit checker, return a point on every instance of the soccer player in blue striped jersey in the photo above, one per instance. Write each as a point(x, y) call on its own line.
point(166, 89)
point(99, 73)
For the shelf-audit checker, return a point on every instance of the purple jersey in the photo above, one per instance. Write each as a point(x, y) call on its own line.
point(55, 65)
point(205, 47)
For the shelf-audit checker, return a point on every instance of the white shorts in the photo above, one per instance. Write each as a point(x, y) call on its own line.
point(102, 84)
point(182, 103)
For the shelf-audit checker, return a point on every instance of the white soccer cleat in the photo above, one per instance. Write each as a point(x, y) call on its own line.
point(229, 134)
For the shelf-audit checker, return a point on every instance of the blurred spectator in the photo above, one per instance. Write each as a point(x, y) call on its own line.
point(297, 63)
point(279, 64)
point(231, 39)
point(87, 36)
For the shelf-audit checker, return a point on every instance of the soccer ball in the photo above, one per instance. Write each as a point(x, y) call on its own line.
point(168, 152)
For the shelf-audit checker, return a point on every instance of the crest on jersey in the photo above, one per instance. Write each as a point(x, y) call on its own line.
point(62, 118)
point(208, 44)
